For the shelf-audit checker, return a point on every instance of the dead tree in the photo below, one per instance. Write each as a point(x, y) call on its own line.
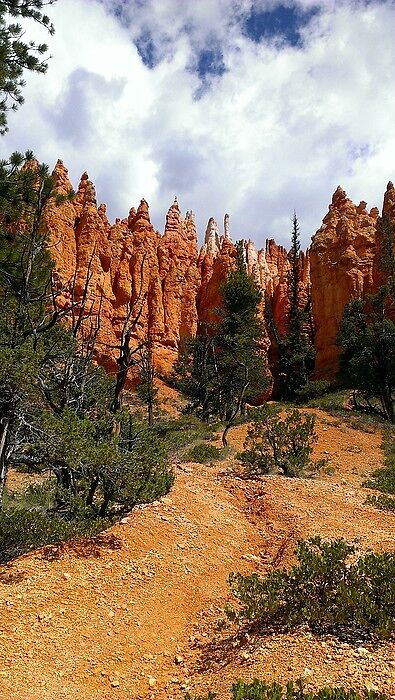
point(127, 356)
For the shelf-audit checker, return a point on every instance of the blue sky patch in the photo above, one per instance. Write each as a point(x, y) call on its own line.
point(210, 62)
point(146, 48)
point(282, 22)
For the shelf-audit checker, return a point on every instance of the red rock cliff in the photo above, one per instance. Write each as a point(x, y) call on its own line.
point(181, 288)
point(341, 268)
point(122, 262)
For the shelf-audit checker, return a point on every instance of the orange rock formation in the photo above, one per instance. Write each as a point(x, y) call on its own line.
point(341, 261)
point(123, 263)
point(130, 262)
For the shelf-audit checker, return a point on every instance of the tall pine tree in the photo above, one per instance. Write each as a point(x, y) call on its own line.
point(296, 350)
point(226, 366)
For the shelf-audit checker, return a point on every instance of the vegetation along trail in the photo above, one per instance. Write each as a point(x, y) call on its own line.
point(136, 613)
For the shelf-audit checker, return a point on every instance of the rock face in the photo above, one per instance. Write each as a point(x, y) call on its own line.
point(217, 257)
point(341, 268)
point(126, 264)
point(129, 264)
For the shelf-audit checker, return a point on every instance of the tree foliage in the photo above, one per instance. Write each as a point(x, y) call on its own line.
point(367, 338)
point(295, 346)
point(225, 367)
point(56, 405)
point(18, 55)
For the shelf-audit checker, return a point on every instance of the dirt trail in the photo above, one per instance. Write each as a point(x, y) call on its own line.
point(135, 615)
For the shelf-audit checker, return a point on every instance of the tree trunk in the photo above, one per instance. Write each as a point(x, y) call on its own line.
point(104, 506)
point(235, 411)
point(150, 414)
point(92, 490)
point(225, 433)
point(5, 427)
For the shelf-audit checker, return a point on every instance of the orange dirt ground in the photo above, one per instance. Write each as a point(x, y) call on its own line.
point(136, 614)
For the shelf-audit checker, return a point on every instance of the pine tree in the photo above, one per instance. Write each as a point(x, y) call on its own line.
point(367, 339)
point(16, 55)
point(28, 309)
point(242, 364)
point(225, 366)
point(56, 404)
point(296, 350)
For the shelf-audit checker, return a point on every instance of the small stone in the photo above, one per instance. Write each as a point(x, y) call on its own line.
point(115, 683)
point(67, 576)
point(371, 686)
point(124, 521)
point(251, 557)
point(179, 659)
point(152, 681)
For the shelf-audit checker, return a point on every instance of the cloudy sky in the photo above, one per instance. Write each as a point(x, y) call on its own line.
point(252, 107)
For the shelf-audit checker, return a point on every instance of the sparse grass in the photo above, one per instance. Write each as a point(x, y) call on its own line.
point(334, 403)
point(338, 404)
point(182, 434)
point(203, 453)
point(39, 497)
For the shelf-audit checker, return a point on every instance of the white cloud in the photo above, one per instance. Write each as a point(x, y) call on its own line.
point(279, 130)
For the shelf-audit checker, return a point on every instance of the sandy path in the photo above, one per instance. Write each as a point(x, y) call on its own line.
point(136, 618)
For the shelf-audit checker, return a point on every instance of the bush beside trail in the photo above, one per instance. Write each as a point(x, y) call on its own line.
point(259, 690)
point(326, 589)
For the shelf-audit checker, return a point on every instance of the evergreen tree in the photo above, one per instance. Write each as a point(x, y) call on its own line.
point(196, 374)
point(367, 338)
point(56, 405)
point(28, 310)
point(17, 55)
point(225, 366)
point(242, 364)
point(296, 350)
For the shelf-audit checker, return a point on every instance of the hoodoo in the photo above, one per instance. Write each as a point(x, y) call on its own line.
point(181, 286)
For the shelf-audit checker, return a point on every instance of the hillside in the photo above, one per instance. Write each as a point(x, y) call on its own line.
point(135, 613)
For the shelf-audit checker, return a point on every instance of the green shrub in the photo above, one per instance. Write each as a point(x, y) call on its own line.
point(382, 502)
point(313, 390)
point(280, 446)
point(182, 432)
point(203, 453)
point(323, 590)
point(259, 690)
point(23, 530)
point(383, 479)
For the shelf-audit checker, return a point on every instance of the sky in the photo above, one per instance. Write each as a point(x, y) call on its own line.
point(256, 108)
